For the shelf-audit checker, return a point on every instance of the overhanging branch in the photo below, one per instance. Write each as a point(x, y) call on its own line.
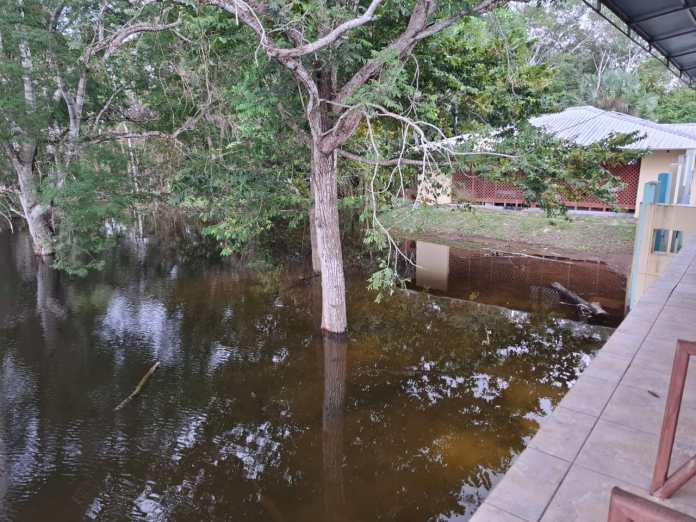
point(379, 163)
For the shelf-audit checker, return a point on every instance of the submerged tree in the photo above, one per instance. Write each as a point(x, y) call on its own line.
point(60, 87)
point(307, 86)
point(347, 58)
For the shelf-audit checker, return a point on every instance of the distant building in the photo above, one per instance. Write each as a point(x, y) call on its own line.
point(670, 162)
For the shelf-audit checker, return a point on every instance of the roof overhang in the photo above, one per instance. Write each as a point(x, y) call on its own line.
point(664, 28)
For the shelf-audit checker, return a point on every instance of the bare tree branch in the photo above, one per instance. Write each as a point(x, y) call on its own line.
point(188, 125)
point(111, 44)
point(418, 29)
point(441, 25)
point(331, 37)
point(379, 163)
point(244, 11)
point(106, 107)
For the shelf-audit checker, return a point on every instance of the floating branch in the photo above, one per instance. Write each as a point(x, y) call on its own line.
point(139, 387)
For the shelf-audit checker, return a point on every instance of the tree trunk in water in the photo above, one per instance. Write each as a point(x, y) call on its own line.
point(333, 285)
point(35, 213)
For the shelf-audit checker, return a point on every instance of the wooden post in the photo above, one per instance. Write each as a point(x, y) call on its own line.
point(664, 486)
point(627, 507)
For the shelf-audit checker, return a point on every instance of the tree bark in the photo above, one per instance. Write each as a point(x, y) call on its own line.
point(316, 263)
point(35, 214)
point(325, 191)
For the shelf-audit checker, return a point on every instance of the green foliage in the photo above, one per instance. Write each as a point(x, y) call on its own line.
point(243, 173)
point(547, 168)
point(619, 91)
point(678, 106)
point(83, 186)
point(480, 73)
point(94, 204)
point(243, 168)
point(241, 208)
point(382, 281)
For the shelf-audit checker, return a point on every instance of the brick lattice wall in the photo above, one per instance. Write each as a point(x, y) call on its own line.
point(475, 189)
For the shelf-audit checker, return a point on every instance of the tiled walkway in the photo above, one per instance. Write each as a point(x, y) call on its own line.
point(605, 431)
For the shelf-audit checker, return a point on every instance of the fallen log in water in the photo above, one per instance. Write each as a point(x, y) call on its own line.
point(592, 308)
point(139, 387)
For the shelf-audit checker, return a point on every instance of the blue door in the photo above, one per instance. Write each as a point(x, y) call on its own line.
point(664, 185)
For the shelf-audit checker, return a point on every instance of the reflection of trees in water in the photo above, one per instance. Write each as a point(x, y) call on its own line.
point(4, 472)
point(50, 301)
point(17, 268)
point(15, 423)
point(20, 455)
point(479, 375)
point(247, 418)
point(143, 320)
point(335, 355)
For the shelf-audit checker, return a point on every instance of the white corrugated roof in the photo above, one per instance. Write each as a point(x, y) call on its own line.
point(586, 125)
point(684, 128)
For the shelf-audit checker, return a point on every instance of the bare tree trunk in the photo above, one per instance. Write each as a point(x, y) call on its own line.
point(36, 214)
point(324, 188)
point(316, 263)
point(330, 121)
point(22, 160)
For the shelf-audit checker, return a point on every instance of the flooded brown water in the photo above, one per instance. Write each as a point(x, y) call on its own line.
point(252, 414)
point(518, 281)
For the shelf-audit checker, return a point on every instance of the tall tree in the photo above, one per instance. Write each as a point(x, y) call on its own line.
point(337, 51)
point(54, 57)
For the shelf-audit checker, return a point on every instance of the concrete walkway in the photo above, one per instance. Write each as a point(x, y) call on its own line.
point(605, 431)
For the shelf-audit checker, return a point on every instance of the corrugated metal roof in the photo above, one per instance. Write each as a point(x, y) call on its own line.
point(587, 125)
point(667, 29)
point(687, 128)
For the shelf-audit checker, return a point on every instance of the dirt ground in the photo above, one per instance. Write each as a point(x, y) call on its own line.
point(583, 237)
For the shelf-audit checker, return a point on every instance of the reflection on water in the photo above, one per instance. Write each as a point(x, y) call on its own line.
point(253, 414)
point(517, 281)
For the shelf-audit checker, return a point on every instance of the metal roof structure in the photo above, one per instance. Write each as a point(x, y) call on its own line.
point(664, 28)
point(587, 125)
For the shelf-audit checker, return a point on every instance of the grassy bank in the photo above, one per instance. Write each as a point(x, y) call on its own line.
point(582, 236)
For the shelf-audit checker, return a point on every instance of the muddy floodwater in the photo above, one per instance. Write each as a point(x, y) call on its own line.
point(253, 415)
point(518, 281)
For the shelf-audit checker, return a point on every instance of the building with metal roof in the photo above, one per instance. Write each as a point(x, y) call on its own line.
point(586, 125)
point(669, 162)
point(672, 146)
